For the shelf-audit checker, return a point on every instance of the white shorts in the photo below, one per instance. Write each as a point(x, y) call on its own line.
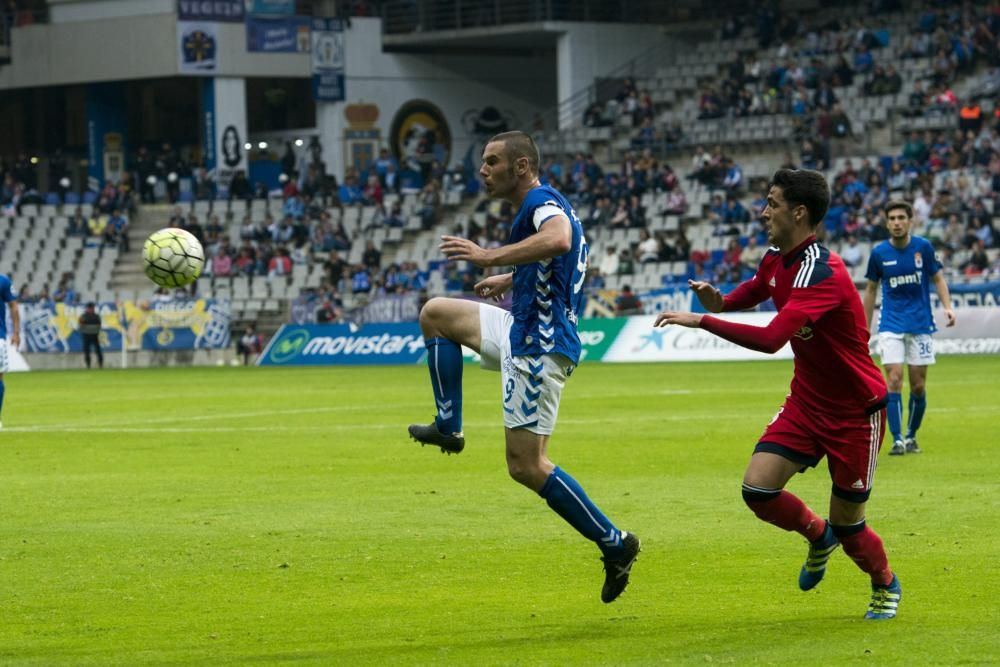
point(913, 349)
point(4, 364)
point(531, 385)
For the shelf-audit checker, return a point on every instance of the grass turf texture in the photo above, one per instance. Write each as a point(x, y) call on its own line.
point(281, 516)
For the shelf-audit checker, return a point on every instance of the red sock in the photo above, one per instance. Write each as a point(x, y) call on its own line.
point(787, 511)
point(865, 548)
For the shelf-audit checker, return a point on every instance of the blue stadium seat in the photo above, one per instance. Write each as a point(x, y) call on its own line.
point(89, 197)
point(52, 198)
point(72, 198)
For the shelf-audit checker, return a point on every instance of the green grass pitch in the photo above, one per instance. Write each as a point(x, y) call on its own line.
point(281, 516)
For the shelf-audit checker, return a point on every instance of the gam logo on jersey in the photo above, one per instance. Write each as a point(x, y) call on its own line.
point(805, 333)
point(918, 260)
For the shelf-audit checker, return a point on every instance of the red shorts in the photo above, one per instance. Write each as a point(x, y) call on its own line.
point(850, 444)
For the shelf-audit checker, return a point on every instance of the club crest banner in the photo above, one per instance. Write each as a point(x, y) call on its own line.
point(197, 47)
point(173, 325)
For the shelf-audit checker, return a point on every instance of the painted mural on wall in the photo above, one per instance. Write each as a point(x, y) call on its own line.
point(419, 134)
point(487, 121)
point(480, 125)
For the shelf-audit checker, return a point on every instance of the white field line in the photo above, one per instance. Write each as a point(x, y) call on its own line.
point(326, 428)
point(122, 426)
point(148, 427)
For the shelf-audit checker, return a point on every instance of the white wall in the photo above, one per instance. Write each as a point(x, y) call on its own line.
point(131, 47)
point(590, 50)
point(68, 11)
point(456, 84)
point(106, 50)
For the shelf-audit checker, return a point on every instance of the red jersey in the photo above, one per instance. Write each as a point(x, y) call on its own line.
point(820, 311)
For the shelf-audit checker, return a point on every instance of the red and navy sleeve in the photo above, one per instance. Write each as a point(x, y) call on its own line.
point(767, 339)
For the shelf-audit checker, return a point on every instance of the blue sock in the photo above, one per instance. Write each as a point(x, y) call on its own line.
point(917, 406)
point(1, 394)
point(894, 415)
point(444, 358)
point(565, 496)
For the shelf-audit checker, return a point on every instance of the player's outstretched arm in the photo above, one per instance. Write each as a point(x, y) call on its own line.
point(690, 320)
point(554, 238)
point(767, 339)
point(708, 295)
point(495, 286)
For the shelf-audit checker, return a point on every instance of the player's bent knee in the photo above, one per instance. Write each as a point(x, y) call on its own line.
point(433, 311)
point(526, 469)
point(757, 498)
point(525, 473)
point(850, 495)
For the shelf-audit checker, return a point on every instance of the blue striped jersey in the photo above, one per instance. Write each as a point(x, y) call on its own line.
point(547, 295)
point(906, 276)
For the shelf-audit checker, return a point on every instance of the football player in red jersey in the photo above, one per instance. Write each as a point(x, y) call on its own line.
point(836, 405)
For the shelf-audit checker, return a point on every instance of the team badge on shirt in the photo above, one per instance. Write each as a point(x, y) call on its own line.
point(918, 260)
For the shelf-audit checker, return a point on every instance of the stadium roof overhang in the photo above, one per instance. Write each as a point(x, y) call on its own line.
point(513, 39)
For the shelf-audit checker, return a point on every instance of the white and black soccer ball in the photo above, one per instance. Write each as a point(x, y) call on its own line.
point(172, 257)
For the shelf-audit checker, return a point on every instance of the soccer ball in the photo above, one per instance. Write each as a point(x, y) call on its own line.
point(172, 257)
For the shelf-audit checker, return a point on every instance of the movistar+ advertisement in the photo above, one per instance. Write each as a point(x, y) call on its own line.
point(326, 344)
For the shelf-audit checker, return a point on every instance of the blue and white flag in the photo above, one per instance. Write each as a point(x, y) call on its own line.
point(328, 60)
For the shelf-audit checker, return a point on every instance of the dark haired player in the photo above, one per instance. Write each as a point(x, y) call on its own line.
point(836, 404)
point(905, 266)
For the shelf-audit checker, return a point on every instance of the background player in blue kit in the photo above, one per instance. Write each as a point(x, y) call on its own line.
point(905, 266)
point(7, 297)
point(535, 346)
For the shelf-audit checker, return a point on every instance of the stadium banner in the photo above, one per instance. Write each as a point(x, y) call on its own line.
point(976, 331)
point(680, 298)
point(597, 336)
point(231, 11)
point(272, 7)
point(971, 295)
point(107, 130)
point(178, 325)
point(207, 130)
point(197, 48)
point(278, 35)
point(390, 308)
point(328, 60)
point(624, 339)
point(344, 344)
point(229, 122)
point(173, 325)
point(52, 327)
point(640, 341)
